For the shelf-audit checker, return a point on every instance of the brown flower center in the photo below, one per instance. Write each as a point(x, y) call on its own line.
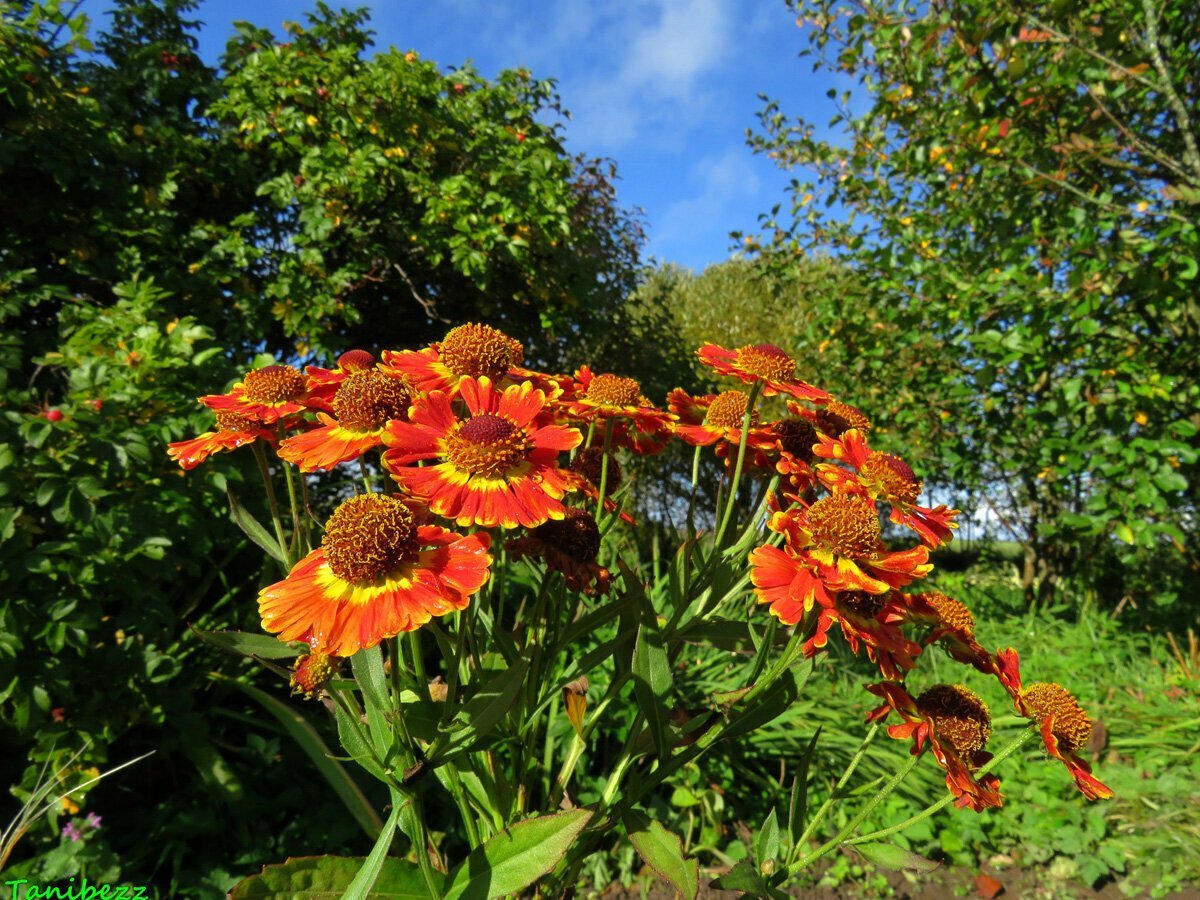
point(273, 384)
point(368, 399)
point(480, 350)
point(368, 537)
point(232, 422)
point(486, 445)
point(960, 717)
point(728, 410)
point(576, 535)
point(836, 418)
point(613, 390)
point(894, 474)
point(1072, 727)
point(862, 604)
point(846, 524)
point(355, 361)
point(766, 361)
point(796, 437)
point(589, 462)
point(951, 613)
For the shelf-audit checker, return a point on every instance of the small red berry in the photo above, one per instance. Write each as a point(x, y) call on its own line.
point(520, 137)
point(459, 88)
point(53, 415)
point(97, 404)
point(322, 92)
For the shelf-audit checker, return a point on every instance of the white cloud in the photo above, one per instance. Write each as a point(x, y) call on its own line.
point(725, 180)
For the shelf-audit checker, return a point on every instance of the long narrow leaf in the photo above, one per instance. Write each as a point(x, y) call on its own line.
point(302, 732)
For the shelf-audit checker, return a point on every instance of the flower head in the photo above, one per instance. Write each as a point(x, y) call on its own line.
point(833, 545)
point(713, 418)
point(468, 351)
point(1065, 729)
point(378, 572)
point(264, 395)
point(886, 477)
point(607, 396)
point(569, 545)
point(312, 672)
point(956, 723)
point(952, 623)
point(364, 403)
point(498, 466)
point(862, 619)
point(233, 430)
point(767, 364)
point(323, 383)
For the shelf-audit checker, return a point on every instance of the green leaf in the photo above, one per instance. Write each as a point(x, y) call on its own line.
point(302, 732)
point(372, 867)
point(892, 857)
point(652, 682)
point(253, 529)
point(798, 805)
point(262, 646)
point(515, 858)
point(766, 846)
point(662, 851)
point(367, 666)
point(1125, 533)
point(747, 879)
point(486, 708)
point(322, 877)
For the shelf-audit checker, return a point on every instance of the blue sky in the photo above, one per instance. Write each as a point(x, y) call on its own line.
point(667, 88)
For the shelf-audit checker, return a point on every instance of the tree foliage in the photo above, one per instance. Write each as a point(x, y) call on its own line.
point(1019, 187)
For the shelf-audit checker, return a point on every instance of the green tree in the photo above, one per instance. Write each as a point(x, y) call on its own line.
point(1019, 186)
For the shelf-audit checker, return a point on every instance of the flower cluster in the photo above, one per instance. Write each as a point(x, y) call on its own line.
point(474, 444)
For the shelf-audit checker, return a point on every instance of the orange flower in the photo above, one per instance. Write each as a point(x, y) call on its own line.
point(364, 404)
point(702, 421)
point(884, 476)
point(953, 625)
point(468, 351)
point(833, 545)
point(603, 397)
point(377, 573)
point(312, 672)
point(323, 383)
point(957, 724)
point(265, 395)
point(795, 438)
point(232, 432)
point(499, 465)
point(862, 618)
point(1064, 725)
point(764, 363)
point(569, 545)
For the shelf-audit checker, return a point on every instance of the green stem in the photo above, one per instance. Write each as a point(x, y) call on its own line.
point(867, 809)
point(825, 807)
point(731, 499)
point(272, 502)
point(608, 433)
point(1008, 751)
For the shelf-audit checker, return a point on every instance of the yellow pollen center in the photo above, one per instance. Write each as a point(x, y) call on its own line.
point(728, 410)
point(836, 418)
point(355, 361)
point(766, 361)
point(862, 604)
point(960, 718)
point(613, 390)
point(588, 463)
point(796, 437)
point(368, 399)
point(232, 422)
point(368, 537)
point(486, 445)
point(1072, 727)
point(273, 384)
point(846, 524)
point(576, 535)
point(951, 613)
point(480, 350)
point(894, 474)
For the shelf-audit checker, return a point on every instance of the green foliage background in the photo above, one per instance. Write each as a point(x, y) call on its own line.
point(999, 264)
